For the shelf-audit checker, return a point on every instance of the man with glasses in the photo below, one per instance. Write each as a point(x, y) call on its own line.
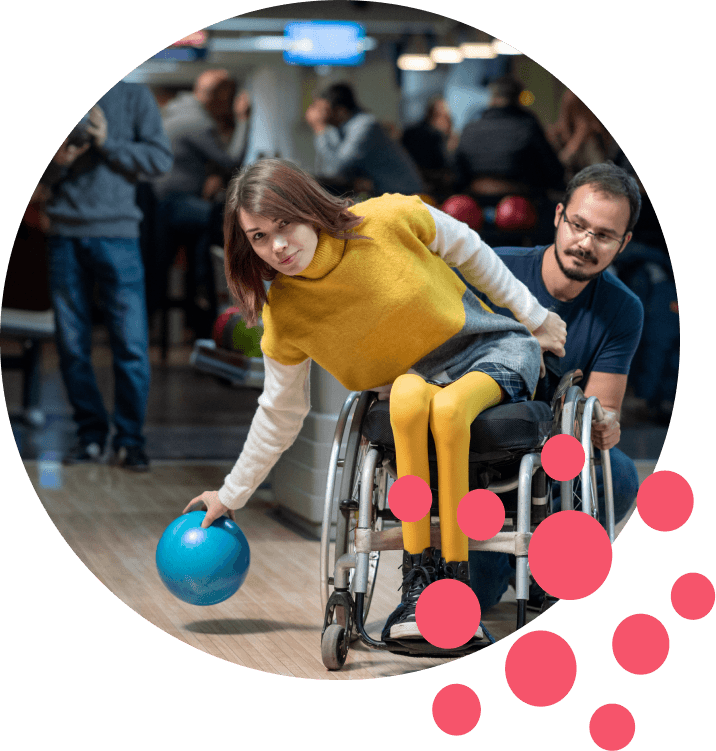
point(593, 224)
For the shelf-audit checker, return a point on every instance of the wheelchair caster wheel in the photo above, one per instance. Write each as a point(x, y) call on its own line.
point(334, 647)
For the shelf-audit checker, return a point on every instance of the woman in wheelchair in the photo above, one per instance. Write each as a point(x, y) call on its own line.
point(368, 292)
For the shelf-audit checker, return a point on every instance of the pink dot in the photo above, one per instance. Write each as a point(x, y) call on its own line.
point(540, 668)
point(456, 709)
point(410, 498)
point(692, 596)
point(612, 727)
point(570, 555)
point(562, 457)
point(447, 613)
point(665, 501)
point(480, 514)
point(640, 644)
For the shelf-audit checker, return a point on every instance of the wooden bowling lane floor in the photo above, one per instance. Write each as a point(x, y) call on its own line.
point(112, 519)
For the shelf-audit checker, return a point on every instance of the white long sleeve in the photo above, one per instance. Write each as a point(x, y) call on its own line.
point(283, 407)
point(462, 248)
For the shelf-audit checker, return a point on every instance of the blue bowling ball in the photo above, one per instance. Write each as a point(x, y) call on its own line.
point(202, 566)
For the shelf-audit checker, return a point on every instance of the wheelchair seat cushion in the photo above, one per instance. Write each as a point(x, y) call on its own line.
point(498, 432)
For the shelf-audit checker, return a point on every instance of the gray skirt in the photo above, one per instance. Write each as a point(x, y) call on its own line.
point(490, 343)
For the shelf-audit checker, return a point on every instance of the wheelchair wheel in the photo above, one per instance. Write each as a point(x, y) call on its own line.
point(581, 493)
point(334, 647)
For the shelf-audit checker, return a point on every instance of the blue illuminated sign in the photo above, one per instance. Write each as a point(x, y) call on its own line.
point(324, 43)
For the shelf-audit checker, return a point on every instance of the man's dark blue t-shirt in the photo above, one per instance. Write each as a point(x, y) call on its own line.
point(603, 322)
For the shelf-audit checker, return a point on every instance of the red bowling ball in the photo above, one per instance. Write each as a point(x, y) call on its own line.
point(515, 213)
point(465, 209)
point(220, 325)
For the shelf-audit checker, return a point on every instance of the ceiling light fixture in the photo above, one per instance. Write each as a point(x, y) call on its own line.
point(504, 49)
point(478, 50)
point(415, 62)
point(446, 55)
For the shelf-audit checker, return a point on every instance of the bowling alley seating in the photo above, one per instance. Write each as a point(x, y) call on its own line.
point(27, 319)
point(29, 328)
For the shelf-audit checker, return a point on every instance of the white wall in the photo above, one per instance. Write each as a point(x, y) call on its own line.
point(276, 112)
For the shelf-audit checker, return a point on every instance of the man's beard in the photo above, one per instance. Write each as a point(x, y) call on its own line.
point(576, 275)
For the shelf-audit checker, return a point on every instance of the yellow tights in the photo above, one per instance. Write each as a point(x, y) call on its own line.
point(449, 411)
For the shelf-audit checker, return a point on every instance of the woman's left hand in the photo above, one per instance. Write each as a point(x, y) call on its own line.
point(552, 334)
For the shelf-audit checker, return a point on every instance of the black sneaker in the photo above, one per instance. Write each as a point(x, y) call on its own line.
point(132, 458)
point(84, 453)
point(419, 570)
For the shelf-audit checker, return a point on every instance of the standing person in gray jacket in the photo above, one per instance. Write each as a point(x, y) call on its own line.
point(93, 243)
point(352, 144)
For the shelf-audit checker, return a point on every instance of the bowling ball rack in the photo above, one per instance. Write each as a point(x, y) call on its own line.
point(229, 366)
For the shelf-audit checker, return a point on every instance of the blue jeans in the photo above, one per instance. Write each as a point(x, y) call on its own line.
point(490, 572)
point(115, 266)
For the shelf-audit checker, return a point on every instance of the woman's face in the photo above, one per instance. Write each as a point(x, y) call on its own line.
point(286, 246)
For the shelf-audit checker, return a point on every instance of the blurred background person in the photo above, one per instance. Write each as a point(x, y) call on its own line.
point(431, 143)
point(208, 129)
point(93, 244)
point(506, 150)
point(579, 137)
point(351, 143)
point(645, 267)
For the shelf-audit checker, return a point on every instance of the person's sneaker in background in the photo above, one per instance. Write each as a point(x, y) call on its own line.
point(84, 453)
point(133, 458)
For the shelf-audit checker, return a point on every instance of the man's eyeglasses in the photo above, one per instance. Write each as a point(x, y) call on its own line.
point(601, 239)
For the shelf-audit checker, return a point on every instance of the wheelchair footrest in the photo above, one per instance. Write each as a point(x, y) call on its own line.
point(367, 540)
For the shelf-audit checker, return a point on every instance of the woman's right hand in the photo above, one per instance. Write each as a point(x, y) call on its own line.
point(552, 334)
point(209, 500)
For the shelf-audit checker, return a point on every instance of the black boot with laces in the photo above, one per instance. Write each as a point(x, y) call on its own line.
point(454, 570)
point(419, 570)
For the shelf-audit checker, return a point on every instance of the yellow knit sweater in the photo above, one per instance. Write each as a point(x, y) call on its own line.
point(367, 310)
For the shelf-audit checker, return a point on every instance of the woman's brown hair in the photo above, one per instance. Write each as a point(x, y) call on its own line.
point(275, 189)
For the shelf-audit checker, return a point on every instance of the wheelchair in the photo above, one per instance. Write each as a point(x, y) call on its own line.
point(505, 447)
